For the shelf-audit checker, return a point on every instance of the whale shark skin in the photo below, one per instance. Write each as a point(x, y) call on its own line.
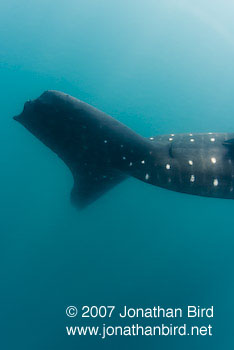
point(101, 152)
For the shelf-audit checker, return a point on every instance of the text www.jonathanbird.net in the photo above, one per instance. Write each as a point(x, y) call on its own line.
point(188, 321)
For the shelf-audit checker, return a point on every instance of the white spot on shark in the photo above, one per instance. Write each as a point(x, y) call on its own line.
point(213, 160)
point(142, 162)
point(192, 178)
point(147, 176)
point(190, 162)
point(192, 140)
point(212, 139)
point(215, 182)
point(168, 166)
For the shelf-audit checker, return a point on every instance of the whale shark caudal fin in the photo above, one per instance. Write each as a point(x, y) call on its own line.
point(92, 144)
point(92, 183)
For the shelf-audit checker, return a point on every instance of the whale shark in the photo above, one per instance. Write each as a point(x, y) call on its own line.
point(101, 152)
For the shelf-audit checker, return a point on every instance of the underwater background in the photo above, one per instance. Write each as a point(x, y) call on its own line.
point(164, 66)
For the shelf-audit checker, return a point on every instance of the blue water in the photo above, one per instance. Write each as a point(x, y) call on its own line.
point(159, 67)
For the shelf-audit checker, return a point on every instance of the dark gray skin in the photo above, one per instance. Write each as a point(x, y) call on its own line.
point(101, 152)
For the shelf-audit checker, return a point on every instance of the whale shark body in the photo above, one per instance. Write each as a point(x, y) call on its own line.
point(101, 152)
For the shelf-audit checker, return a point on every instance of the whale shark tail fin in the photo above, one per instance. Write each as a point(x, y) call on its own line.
point(91, 182)
point(86, 139)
